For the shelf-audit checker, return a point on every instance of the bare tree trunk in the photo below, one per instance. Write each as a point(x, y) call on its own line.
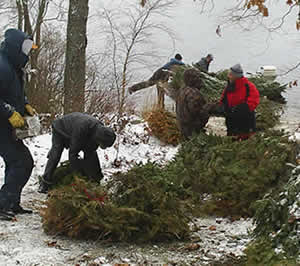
point(74, 82)
point(160, 95)
point(20, 14)
point(27, 21)
point(37, 32)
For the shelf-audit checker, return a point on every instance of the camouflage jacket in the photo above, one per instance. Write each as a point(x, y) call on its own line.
point(190, 109)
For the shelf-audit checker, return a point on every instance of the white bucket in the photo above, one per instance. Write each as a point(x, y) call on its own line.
point(32, 128)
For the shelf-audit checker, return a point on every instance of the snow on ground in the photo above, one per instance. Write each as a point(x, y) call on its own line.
point(23, 241)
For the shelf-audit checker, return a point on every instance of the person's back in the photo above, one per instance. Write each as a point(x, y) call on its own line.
point(190, 105)
point(77, 132)
point(177, 61)
point(204, 63)
point(75, 122)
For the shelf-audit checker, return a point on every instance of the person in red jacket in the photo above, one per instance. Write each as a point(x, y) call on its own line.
point(239, 101)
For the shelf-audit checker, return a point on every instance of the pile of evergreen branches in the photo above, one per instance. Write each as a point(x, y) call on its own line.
point(133, 207)
point(277, 221)
point(233, 174)
point(214, 175)
point(163, 125)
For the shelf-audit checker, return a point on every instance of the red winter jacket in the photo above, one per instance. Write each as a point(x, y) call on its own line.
point(239, 95)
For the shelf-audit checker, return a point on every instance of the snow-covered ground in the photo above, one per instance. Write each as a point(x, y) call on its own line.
point(23, 242)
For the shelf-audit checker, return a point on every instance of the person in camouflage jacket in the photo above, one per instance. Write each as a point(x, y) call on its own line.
point(191, 112)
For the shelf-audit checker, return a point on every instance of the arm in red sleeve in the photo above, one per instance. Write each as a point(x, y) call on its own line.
point(253, 99)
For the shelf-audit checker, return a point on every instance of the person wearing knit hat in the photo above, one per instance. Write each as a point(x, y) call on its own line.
point(237, 71)
point(239, 100)
point(77, 132)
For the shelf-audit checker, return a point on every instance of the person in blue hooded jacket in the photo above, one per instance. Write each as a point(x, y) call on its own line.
point(160, 77)
point(14, 53)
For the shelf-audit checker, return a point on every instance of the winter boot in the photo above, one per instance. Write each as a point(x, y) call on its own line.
point(43, 187)
point(17, 209)
point(6, 215)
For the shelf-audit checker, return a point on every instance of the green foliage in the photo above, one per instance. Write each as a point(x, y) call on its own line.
point(150, 202)
point(271, 89)
point(269, 109)
point(129, 208)
point(277, 217)
point(177, 78)
point(211, 87)
point(234, 174)
point(267, 114)
point(261, 252)
point(222, 74)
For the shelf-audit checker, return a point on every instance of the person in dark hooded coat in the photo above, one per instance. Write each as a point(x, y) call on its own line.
point(77, 132)
point(14, 53)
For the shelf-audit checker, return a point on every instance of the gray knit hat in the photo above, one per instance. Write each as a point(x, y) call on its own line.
point(237, 70)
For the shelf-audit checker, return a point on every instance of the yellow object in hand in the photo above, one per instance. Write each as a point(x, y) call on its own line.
point(30, 110)
point(16, 120)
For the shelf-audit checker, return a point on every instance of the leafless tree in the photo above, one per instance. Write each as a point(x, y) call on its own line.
point(251, 14)
point(130, 32)
point(75, 70)
point(49, 94)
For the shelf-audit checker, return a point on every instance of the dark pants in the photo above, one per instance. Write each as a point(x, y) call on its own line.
point(18, 168)
point(90, 164)
point(240, 124)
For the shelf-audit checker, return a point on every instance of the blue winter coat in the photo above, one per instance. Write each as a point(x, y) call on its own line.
point(172, 62)
point(12, 61)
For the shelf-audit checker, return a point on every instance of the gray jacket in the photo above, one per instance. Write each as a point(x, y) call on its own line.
point(203, 65)
point(82, 132)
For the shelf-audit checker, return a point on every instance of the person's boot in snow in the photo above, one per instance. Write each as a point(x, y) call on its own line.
point(17, 209)
point(43, 187)
point(5, 214)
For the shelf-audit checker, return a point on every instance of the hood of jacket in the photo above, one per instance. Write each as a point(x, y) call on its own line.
point(104, 136)
point(12, 47)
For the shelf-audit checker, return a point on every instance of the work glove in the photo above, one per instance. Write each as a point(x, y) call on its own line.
point(16, 120)
point(30, 110)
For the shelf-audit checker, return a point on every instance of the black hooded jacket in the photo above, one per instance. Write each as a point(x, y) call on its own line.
point(12, 60)
point(82, 132)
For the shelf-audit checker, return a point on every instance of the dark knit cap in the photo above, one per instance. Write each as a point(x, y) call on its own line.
point(178, 57)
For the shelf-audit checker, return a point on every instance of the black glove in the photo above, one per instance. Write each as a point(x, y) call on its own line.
point(220, 109)
point(239, 112)
point(241, 109)
point(215, 109)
